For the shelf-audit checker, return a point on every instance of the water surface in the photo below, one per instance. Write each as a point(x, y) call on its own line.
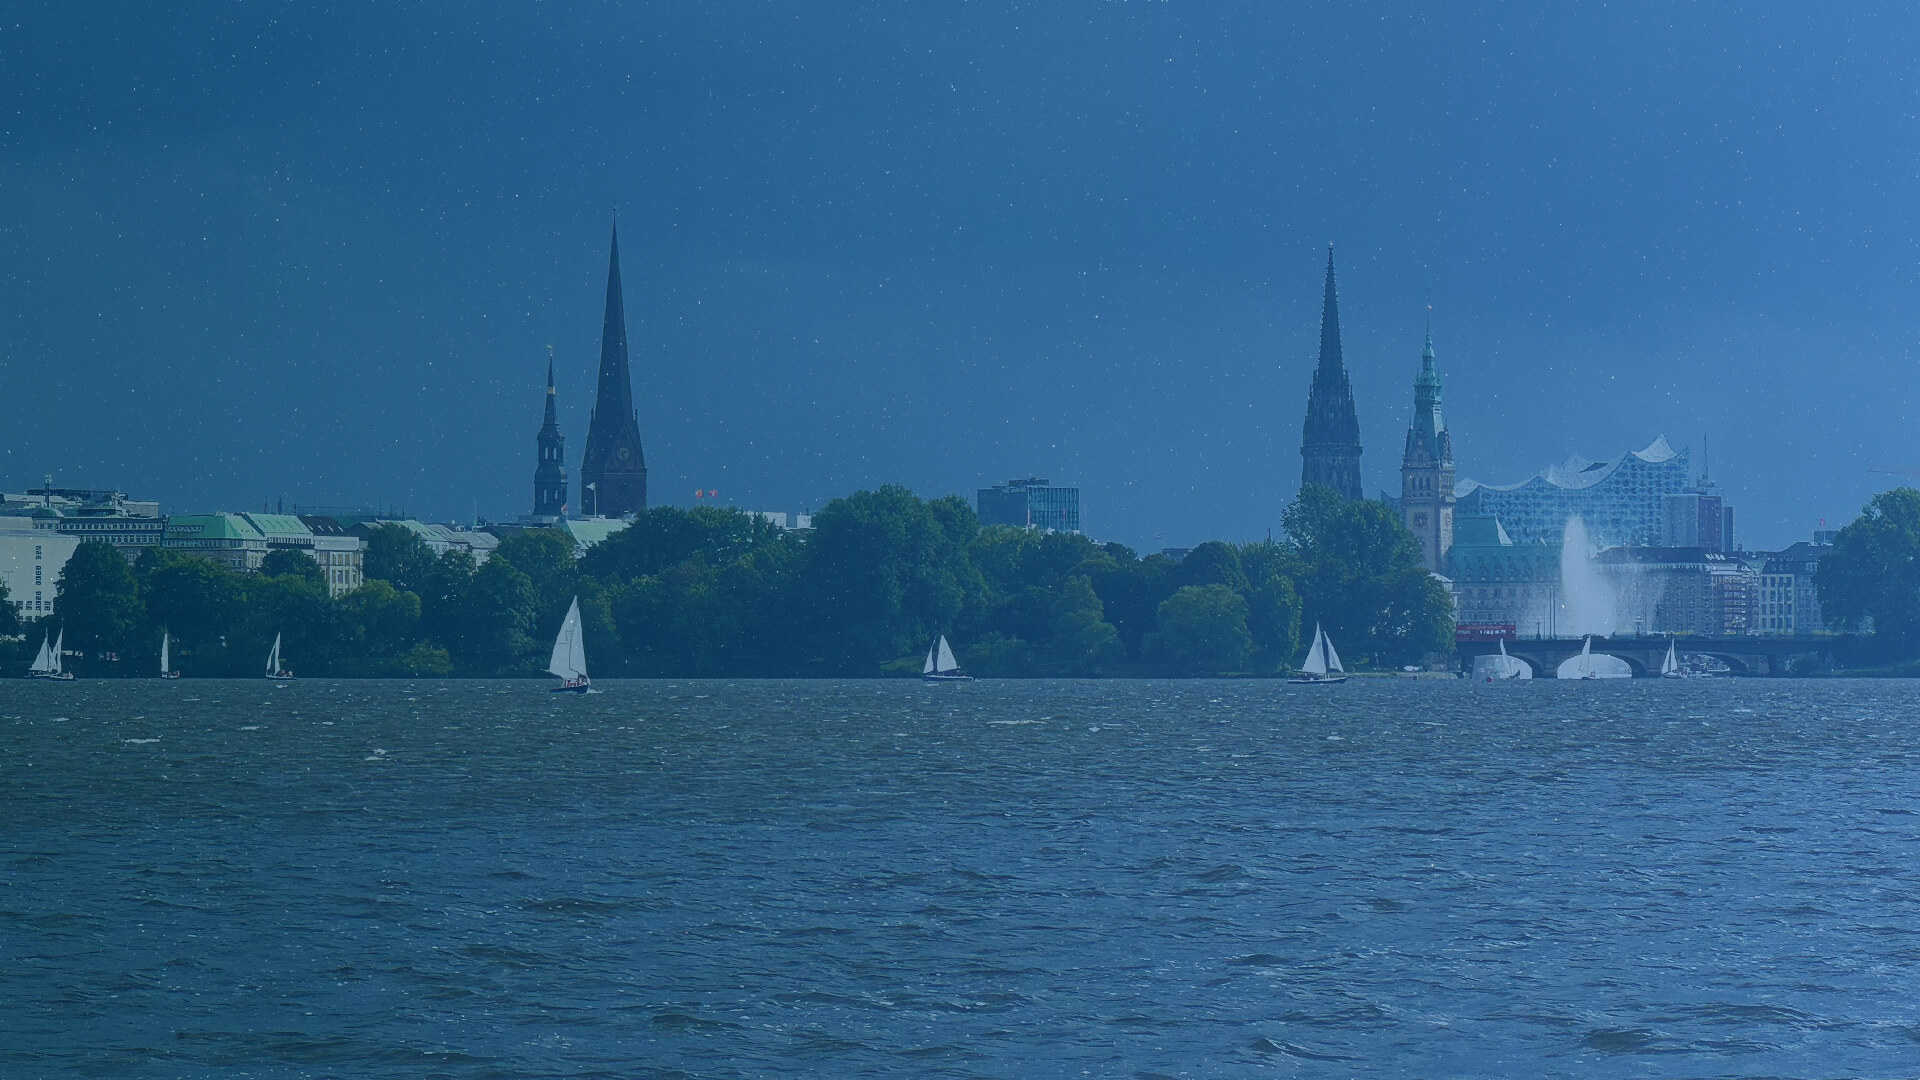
point(1115, 879)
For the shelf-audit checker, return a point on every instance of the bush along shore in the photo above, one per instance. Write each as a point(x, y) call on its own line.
point(719, 593)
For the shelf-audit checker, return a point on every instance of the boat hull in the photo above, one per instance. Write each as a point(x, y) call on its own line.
point(65, 676)
point(571, 688)
point(279, 678)
point(1318, 682)
point(946, 678)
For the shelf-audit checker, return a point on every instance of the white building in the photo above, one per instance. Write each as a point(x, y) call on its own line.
point(32, 554)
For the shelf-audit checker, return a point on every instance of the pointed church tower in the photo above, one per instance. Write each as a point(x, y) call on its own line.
point(1330, 440)
point(550, 476)
point(613, 471)
point(1426, 469)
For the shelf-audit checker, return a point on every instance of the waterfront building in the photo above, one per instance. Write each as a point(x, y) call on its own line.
point(227, 539)
point(1033, 503)
point(1426, 468)
point(1663, 590)
point(1330, 438)
point(439, 539)
point(1788, 602)
point(131, 526)
point(342, 556)
point(1699, 519)
point(587, 532)
point(613, 471)
point(1500, 583)
point(1623, 501)
point(32, 553)
point(550, 475)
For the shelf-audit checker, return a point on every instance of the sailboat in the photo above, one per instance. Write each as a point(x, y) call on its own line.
point(941, 666)
point(166, 668)
point(275, 671)
point(1670, 667)
point(570, 655)
point(1322, 664)
point(1504, 666)
point(46, 663)
point(1586, 659)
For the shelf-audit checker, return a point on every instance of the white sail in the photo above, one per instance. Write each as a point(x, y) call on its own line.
point(1316, 661)
point(933, 655)
point(1672, 663)
point(1586, 656)
point(59, 648)
point(273, 658)
point(946, 662)
point(43, 661)
point(166, 639)
point(569, 660)
point(1333, 658)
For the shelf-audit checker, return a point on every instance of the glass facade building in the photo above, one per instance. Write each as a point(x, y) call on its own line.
point(1033, 503)
point(1623, 501)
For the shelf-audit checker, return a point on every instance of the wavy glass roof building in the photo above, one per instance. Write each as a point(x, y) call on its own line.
point(1623, 501)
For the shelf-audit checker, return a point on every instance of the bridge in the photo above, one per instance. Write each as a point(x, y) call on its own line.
point(1752, 654)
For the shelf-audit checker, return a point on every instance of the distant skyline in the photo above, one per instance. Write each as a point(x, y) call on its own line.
point(284, 252)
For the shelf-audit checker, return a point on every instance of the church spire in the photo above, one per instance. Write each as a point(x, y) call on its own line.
point(1330, 442)
point(1426, 469)
point(613, 472)
point(550, 475)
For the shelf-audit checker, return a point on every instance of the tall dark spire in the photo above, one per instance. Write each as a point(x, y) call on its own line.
point(613, 472)
point(1330, 439)
point(550, 475)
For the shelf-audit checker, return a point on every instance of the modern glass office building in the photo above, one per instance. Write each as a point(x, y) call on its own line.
point(1033, 503)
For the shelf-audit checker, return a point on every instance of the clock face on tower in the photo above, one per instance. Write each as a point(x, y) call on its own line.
point(625, 453)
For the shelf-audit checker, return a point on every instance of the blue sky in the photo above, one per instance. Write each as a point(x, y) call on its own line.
point(318, 251)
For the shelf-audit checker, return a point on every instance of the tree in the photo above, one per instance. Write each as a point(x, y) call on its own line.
point(1202, 629)
point(1083, 642)
point(666, 536)
point(497, 621)
point(9, 618)
point(98, 600)
point(1363, 580)
point(296, 609)
point(195, 600)
point(379, 622)
point(287, 562)
point(884, 574)
point(396, 554)
point(1871, 577)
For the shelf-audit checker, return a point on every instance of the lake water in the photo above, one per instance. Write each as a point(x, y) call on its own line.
point(1005, 879)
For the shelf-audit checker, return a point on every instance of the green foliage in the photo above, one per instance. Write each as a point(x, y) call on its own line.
point(1871, 578)
point(884, 573)
point(288, 563)
point(1203, 630)
point(378, 620)
point(396, 554)
point(9, 619)
point(1083, 642)
point(1362, 579)
point(97, 602)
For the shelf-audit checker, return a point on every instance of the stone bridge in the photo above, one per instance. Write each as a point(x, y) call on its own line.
point(1747, 655)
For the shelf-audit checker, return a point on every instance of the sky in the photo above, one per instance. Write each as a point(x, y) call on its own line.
point(317, 252)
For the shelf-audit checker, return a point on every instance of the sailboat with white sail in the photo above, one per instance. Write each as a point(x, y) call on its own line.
point(941, 665)
point(276, 668)
point(46, 663)
point(1322, 664)
point(166, 668)
point(1502, 666)
point(570, 655)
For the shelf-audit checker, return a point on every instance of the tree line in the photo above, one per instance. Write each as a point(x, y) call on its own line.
point(717, 592)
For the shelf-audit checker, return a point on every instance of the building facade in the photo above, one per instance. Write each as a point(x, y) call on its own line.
point(342, 556)
point(1623, 501)
point(550, 475)
point(32, 554)
point(1497, 582)
point(1662, 590)
point(1033, 503)
point(1426, 468)
point(1699, 519)
point(613, 471)
point(1330, 437)
point(1788, 602)
point(227, 539)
